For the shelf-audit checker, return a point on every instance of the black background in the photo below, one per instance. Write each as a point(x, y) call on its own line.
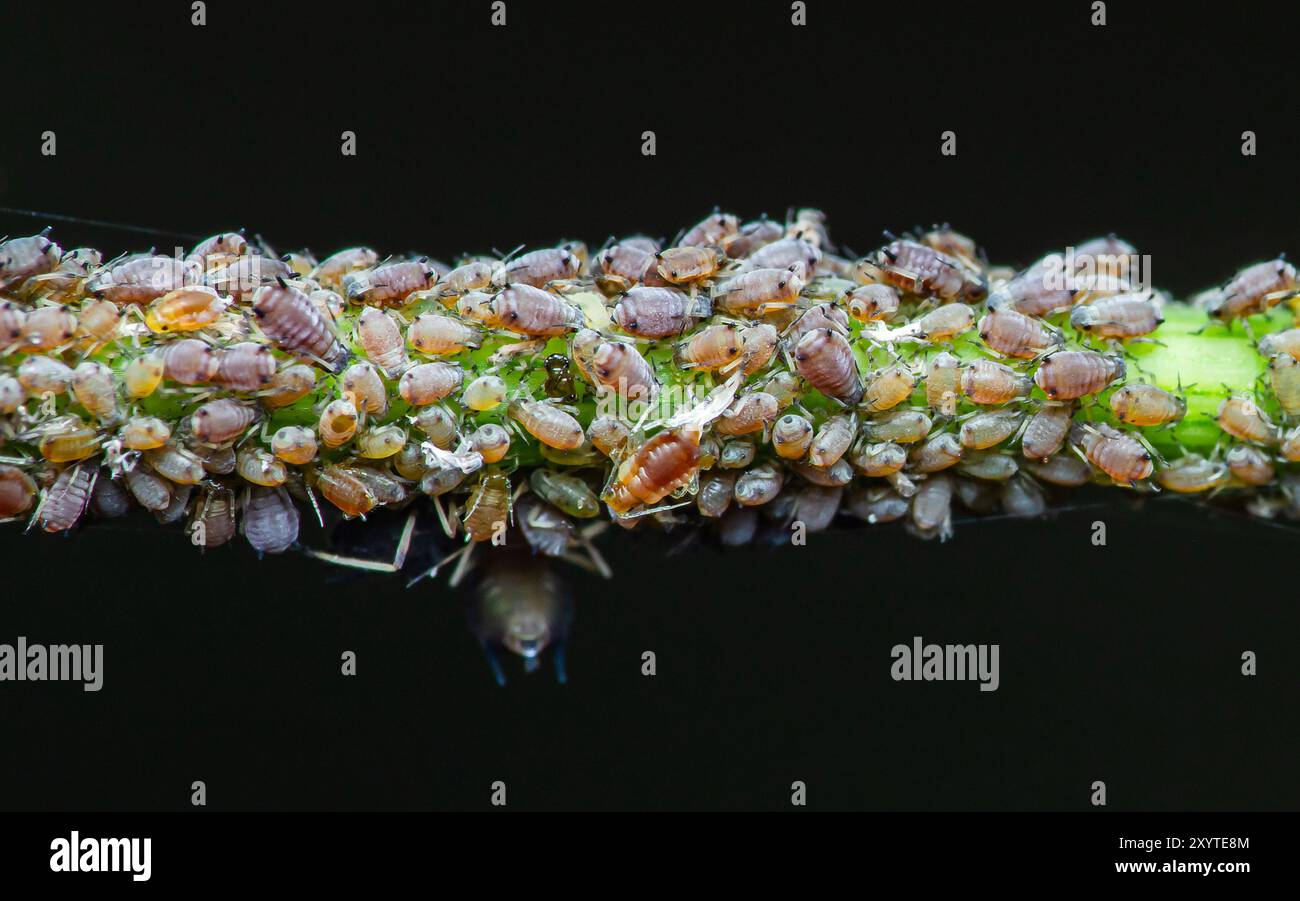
point(1118, 663)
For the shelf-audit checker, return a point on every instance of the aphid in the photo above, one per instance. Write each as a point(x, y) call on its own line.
point(490, 441)
point(139, 280)
point(175, 510)
point(566, 492)
point(1255, 289)
point(289, 385)
point(887, 388)
point(1046, 431)
point(792, 436)
point(222, 420)
point(714, 348)
point(338, 422)
point(748, 413)
point(526, 310)
point(1022, 497)
point(259, 467)
point(12, 394)
point(22, 258)
point(1120, 317)
point(11, 324)
point(1040, 290)
point(475, 275)
point(46, 328)
point(825, 360)
point(682, 265)
point(559, 383)
point(488, 507)
point(954, 244)
point(759, 291)
point(759, 343)
point(823, 315)
point(270, 522)
point(1014, 334)
point(381, 339)
point(381, 442)
point(67, 439)
point(900, 426)
point(832, 440)
point(294, 444)
point(873, 503)
point(245, 366)
point(1106, 256)
point(1064, 470)
point(1290, 448)
point(44, 375)
point(92, 384)
point(1242, 418)
point(716, 230)
point(717, 490)
point(659, 312)
point(937, 453)
point(1284, 376)
point(176, 464)
point(547, 423)
point(1250, 465)
point(218, 250)
point(943, 383)
point(440, 480)
point(625, 262)
point(872, 303)
point(438, 425)
point(1146, 405)
point(487, 392)
point(816, 505)
point(988, 383)
point(429, 383)
point(614, 366)
point(142, 375)
point(65, 282)
point(737, 454)
point(185, 310)
point(608, 434)
point(189, 362)
point(293, 323)
point(67, 498)
point(988, 466)
point(477, 306)
point(361, 383)
point(932, 507)
point(344, 488)
point(108, 499)
point(1119, 455)
point(1283, 342)
point(329, 273)
point(945, 323)
point(97, 325)
point(1069, 374)
point(783, 254)
point(538, 268)
point(877, 460)
point(389, 284)
point(438, 335)
point(759, 485)
point(218, 461)
point(1192, 474)
point(984, 430)
point(753, 235)
point(917, 269)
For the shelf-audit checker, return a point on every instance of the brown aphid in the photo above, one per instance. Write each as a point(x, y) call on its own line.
point(717, 491)
point(1250, 465)
point(1146, 405)
point(361, 383)
point(476, 275)
point(142, 375)
point(622, 265)
point(11, 324)
point(218, 250)
point(899, 426)
point(22, 258)
point(877, 460)
point(872, 303)
point(186, 309)
point(176, 464)
point(97, 325)
point(1192, 474)
point(221, 421)
point(748, 413)
point(46, 328)
point(659, 312)
point(985, 430)
point(1046, 431)
point(245, 366)
point(44, 375)
point(1071, 374)
point(93, 386)
point(144, 433)
point(342, 487)
point(526, 310)
point(665, 462)
point(487, 510)
point(189, 362)
point(1014, 334)
point(139, 280)
point(438, 335)
point(294, 444)
point(792, 436)
point(216, 460)
point(491, 442)
point(390, 284)
point(212, 522)
point(384, 486)
point(17, 491)
point(825, 360)
point(608, 435)
point(1255, 289)
point(887, 388)
point(1121, 317)
point(937, 453)
point(329, 273)
point(917, 269)
point(1116, 453)
point(338, 422)
point(67, 439)
point(759, 291)
point(988, 383)
point(943, 383)
point(1284, 376)
point(538, 268)
point(945, 323)
point(715, 348)
point(547, 423)
point(381, 339)
point(294, 324)
point(429, 383)
point(1242, 418)
point(67, 498)
point(932, 507)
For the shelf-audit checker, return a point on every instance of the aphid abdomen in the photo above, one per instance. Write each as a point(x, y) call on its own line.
point(221, 421)
point(1071, 374)
point(382, 340)
point(548, 424)
point(1014, 334)
point(246, 366)
point(270, 520)
point(664, 463)
point(530, 311)
point(988, 383)
point(825, 360)
point(1121, 317)
point(1046, 431)
point(294, 324)
point(189, 362)
point(68, 497)
point(488, 507)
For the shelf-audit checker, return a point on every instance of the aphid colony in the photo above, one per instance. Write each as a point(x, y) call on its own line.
point(778, 380)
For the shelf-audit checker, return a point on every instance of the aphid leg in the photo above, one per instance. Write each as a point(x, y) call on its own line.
point(463, 567)
point(395, 565)
point(1155, 454)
